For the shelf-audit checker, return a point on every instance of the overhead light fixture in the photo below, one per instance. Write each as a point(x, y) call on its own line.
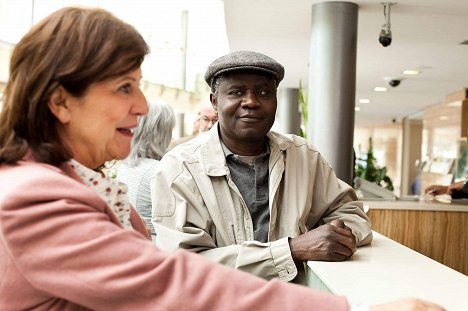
point(455, 104)
point(357, 108)
point(385, 37)
point(443, 118)
point(364, 101)
point(411, 72)
point(380, 89)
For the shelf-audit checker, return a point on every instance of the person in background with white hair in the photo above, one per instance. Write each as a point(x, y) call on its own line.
point(149, 144)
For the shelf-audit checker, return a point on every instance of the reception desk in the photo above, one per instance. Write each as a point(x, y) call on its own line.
point(386, 271)
point(436, 230)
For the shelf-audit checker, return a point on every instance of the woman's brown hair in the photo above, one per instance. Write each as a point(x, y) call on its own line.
point(72, 48)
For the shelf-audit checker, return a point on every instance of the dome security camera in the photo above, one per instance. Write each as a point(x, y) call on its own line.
point(385, 37)
point(394, 82)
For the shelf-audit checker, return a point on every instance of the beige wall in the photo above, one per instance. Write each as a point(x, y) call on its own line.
point(387, 143)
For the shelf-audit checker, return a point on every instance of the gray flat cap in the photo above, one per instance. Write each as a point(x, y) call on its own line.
point(244, 60)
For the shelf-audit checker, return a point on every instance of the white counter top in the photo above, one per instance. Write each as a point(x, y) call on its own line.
point(388, 271)
point(416, 205)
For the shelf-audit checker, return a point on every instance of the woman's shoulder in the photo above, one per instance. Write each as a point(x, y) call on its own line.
point(29, 170)
point(36, 178)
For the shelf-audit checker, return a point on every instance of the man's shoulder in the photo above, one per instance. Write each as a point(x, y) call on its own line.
point(290, 141)
point(188, 152)
point(297, 148)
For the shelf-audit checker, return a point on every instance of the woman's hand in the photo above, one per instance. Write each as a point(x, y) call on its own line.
point(409, 304)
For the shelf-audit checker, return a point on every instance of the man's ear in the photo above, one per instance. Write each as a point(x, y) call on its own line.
point(58, 105)
point(214, 102)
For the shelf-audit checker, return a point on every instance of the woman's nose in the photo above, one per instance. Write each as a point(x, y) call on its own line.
point(140, 106)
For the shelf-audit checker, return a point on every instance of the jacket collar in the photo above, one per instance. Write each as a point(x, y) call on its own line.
point(213, 159)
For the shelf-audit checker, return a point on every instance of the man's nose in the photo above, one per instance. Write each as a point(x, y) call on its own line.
point(250, 100)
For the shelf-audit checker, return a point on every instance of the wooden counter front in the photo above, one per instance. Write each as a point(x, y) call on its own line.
point(439, 231)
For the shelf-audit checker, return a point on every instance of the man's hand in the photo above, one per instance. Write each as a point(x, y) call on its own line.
point(407, 305)
point(330, 242)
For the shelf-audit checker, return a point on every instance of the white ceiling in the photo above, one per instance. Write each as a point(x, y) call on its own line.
point(426, 35)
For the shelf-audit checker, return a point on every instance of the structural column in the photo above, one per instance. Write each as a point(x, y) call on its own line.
point(288, 111)
point(412, 141)
point(332, 83)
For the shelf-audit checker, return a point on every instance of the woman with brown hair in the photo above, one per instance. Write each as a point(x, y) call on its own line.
point(69, 239)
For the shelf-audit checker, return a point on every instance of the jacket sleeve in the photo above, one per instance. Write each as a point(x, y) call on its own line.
point(182, 220)
point(64, 244)
point(337, 200)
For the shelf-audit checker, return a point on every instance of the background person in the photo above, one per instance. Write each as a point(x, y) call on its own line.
point(455, 190)
point(150, 141)
point(248, 197)
point(206, 118)
point(69, 240)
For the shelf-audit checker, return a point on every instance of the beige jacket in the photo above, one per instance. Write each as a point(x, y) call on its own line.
point(196, 205)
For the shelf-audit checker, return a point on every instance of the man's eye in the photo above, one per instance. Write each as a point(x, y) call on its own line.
point(262, 92)
point(235, 93)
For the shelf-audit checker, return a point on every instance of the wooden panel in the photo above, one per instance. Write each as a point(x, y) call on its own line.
point(464, 121)
point(441, 236)
point(457, 96)
point(442, 115)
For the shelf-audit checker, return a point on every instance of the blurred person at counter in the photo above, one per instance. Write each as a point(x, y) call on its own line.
point(458, 190)
point(69, 239)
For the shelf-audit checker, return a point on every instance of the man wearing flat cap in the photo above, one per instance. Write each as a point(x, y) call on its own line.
point(248, 197)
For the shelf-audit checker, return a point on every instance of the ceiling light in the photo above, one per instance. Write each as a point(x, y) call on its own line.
point(364, 101)
point(455, 104)
point(443, 118)
point(357, 108)
point(380, 89)
point(411, 72)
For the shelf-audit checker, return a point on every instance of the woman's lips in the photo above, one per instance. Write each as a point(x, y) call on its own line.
point(126, 131)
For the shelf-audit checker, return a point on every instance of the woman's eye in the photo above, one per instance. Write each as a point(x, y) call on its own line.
point(125, 88)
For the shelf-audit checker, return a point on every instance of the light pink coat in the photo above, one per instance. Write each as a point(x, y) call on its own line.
point(62, 248)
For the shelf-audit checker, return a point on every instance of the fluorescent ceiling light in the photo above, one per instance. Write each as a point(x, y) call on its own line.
point(357, 108)
point(411, 72)
point(443, 118)
point(364, 101)
point(380, 89)
point(455, 104)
